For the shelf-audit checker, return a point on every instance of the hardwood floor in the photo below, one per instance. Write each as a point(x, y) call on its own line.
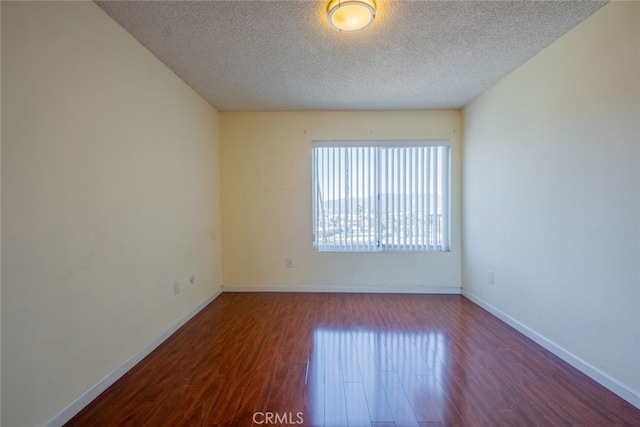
point(343, 360)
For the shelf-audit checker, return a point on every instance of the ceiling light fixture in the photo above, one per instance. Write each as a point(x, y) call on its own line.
point(349, 16)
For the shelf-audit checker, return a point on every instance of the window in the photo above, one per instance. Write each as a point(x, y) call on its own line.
point(381, 196)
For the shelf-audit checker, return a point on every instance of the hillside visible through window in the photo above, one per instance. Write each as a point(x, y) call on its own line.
point(375, 198)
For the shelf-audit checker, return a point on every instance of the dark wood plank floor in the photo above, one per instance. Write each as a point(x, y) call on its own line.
point(352, 360)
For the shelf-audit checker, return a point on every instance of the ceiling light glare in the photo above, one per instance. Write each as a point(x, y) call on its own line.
point(349, 16)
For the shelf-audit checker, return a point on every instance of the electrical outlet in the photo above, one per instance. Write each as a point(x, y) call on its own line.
point(176, 287)
point(192, 279)
point(289, 262)
point(491, 277)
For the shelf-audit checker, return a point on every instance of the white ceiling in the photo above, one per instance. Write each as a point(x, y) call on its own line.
point(270, 55)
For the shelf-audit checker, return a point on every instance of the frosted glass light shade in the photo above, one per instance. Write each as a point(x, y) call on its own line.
point(348, 16)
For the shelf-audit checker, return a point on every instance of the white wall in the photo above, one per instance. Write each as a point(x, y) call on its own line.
point(110, 192)
point(552, 196)
point(266, 203)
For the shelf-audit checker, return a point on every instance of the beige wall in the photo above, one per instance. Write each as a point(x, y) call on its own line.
point(552, 195)
point(266, 202)
point(109, 194)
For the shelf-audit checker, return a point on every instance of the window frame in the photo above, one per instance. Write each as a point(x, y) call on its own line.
point(443, 171)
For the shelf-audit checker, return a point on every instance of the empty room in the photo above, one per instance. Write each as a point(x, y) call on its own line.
point(322, 213)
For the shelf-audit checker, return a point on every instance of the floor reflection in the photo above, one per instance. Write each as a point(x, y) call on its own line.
point(358, 376)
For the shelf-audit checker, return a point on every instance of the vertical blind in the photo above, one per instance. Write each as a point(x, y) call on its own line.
point(381, 196)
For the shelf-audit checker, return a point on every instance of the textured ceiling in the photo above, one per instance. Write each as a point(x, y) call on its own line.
point(283, 55)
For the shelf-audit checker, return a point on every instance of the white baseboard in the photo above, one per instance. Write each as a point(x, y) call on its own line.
point(602, 378)
point(348, 289)
point(88, 396)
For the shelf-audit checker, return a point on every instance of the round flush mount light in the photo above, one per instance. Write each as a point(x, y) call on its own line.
point(349, 16)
